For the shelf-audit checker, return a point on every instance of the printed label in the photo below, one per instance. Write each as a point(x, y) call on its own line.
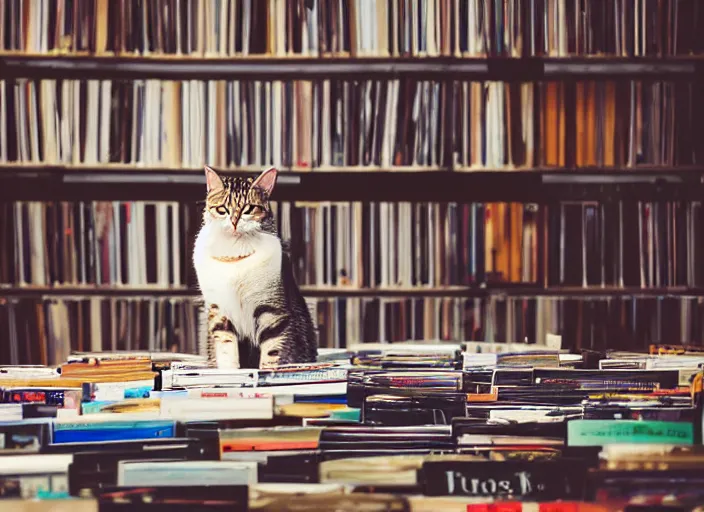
point(509, 479)
point(602, 432)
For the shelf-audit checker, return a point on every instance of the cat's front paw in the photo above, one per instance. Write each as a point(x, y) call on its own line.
point(223, 347)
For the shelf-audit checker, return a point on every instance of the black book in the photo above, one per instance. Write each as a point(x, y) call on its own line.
point(534, 481)
point(174, 499)
point(97, 469)
point(425, 409)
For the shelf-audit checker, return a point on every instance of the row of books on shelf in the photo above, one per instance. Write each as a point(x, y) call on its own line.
point(364, 245)
point(363, 124)
point(405, 244)
point(353, 27)
point(421, 427)
point(46, 331)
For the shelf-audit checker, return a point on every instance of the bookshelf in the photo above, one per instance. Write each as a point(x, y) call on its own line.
point(497, 290)
point(293, 67)
point(119, 183)
point(548, 182)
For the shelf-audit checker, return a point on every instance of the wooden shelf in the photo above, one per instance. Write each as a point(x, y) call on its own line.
point(123, 67)
point(132, 183)
point(494, 290)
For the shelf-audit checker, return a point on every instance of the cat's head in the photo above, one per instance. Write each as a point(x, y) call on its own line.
point(240, 205)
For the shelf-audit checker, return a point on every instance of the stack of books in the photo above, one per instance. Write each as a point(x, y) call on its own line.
point(375, 427)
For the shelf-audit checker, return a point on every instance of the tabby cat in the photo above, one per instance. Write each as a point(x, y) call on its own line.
point(256, 315)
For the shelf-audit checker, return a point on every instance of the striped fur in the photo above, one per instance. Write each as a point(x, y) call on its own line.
point(256, 315)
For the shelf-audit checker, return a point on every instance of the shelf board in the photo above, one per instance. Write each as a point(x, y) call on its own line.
point(495, 290)
point(539, 185)
point(263, 67)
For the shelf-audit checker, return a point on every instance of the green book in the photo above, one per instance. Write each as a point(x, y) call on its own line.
point(602, 432)
point(346, 414)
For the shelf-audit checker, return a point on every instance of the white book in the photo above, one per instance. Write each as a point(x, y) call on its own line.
point(10, 412)
point(143, 46)
point(25, 372)
point(358, 243)
point(281, 32)
point(247, 17)
point(313, 35)
point(315, 92)
point(186, 473)
point(199, 129)
point(193, 137)
point(150, 123)
point(406, 249)
point(115, 245)
point(209, 393)
point(211, 128)
point(178, 36)
point(166, 375)
point(341, 23)
point(338, 238)
point(175, 246)
point(226, 408)
point(319, 246)
point(38, 464)
point(92, 132)
point(162, 245)
point(21, 122)
point(326, 128)
point(417, 277)
point(432, 27)
point(140, 248)
point(105, 108)
point(234, 28)
point(384, 239)
point(277, 127)
point(328, 234)
point(246, 158)
point(107, 391)
point(534, 414)
point(220, 20)
point(38, 261)
point(49, 121)
point(393, 234)
point(133, 243)
point(393, 107)
point(96, 333)
point(431, 245)
point(185, 124)
point(267, 122)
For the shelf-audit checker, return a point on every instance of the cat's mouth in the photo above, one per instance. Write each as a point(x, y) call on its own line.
point(232, 259)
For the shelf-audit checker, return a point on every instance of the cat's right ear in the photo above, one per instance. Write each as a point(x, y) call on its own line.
point(212, 180)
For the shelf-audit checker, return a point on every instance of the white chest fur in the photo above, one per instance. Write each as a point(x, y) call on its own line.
point(237, 287)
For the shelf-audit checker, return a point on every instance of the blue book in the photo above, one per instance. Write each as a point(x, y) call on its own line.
point(81, 432)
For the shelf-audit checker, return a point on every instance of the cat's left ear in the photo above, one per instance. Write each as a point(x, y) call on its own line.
point(266, 181)
point(212, 180)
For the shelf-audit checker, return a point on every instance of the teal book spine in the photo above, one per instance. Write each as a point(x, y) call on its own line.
point(603, 432)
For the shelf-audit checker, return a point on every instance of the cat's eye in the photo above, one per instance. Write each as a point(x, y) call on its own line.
point(222, 210)
point(252, 209)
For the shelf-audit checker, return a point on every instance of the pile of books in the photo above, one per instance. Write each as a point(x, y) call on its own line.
point(476, 426)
